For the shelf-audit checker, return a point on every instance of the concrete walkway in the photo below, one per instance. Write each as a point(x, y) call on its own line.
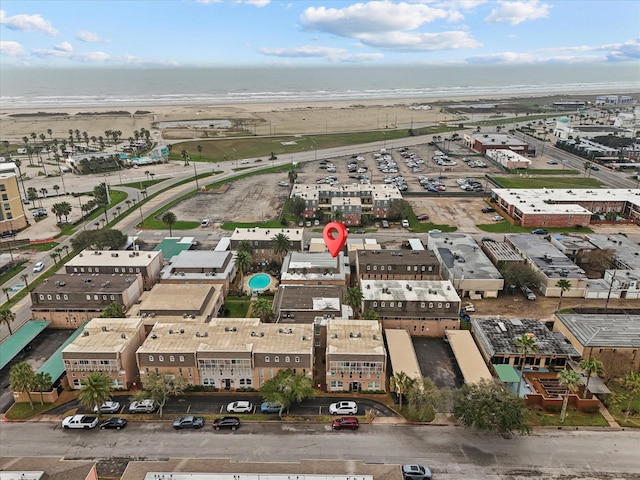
point(607, 415)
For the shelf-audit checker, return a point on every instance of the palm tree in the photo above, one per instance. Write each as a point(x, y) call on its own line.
point(631, 382)
point(245, 246)
point(22, 379)
point(185, 156)
point(526, 343)
point(564, 286)
point(591, 366)
point(56, 188)
point(243, 262)
point(25, 279)
point(587, 166)
point(353, 298)
point(199, 148)
point(401, 383)
point(280, 244)
point(42, 383)
point(7, 316)
point(570, 379)
point(169, 218)
point(95, 390)
point(262, 308)
point(6, 291)
point(338, 215)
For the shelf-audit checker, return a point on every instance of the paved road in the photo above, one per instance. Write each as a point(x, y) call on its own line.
point(452, 452)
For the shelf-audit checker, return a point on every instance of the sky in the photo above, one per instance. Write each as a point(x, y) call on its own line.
point(233, 33)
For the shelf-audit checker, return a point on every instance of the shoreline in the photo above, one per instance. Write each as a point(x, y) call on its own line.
point(266, 118)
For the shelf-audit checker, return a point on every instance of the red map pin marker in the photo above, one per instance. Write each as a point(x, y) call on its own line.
point(335, 236)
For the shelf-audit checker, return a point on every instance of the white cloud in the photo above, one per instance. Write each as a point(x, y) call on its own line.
point(512, 58)
point(518, 12)
point(370, 18)
point(84, 57)
point(304, 51)
point(420, 42)
point(64, 47)
point(90, 37)
point(27, 23)
point(360, 57)
point(614, 52)
point(11, 49)
point(255, 3)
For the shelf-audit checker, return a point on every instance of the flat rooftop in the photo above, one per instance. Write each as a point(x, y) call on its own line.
point(502, 252)
point(418, 291)
point(266, 234)
point(617, 331)
point(171, 297)
point(497, 336)
point(106, 335)
point(462, 256)
point(99, 258)
point(355, 190)
point(86, 282)
point(627, 253)
point(545, 256)
point(469, 358)
point(310, 297)
point(402, 355)
point(400, 258)
point(355, 337)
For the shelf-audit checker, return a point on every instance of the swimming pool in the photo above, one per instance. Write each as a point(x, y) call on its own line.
point(259, 281)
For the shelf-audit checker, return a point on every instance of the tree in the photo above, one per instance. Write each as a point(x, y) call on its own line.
point(401, 383)
point(56, 188)
point(32, 194)
point(25, 279)
point(337, 215)
point(297, 206)
point(42, 383)
point(245, 246)
point(159, 387)
point(22, 379)
point(631, 382)
point(6, 291)
point(287, 388)
point(292, 175)
point(570, 380)
point(113, 310)
point(199, 148)
point(488, 407)
point(353, 298)
point(169, 219)
point(370, 315)
point(280, 244)
point(591, 366)
point(425, 398)
point(101, 197)
point(587, 167)
point(517, 275)
point(526, 343)
point(564, 285)
point(243, 262)
point(7, 316)
point(95, 390)
point(98, 240)
point(262, 308)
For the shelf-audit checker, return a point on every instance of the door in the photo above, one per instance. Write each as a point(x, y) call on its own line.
point(227, 384)
point(354, 386)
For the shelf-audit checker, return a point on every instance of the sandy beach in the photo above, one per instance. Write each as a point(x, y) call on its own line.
point(259, 118)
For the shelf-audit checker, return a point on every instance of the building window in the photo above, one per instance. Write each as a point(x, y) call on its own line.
point(66, 297)
point(375, 267)
point(41, 297)
point(382, 267)
point(399, 304)
point(421, 304)
point(151, 358)
point(447, 305)
point(297, 359)
point(267, 359)
point(317, 342)
point(190, 370)
point(104, 297)
point(181, 358)
point(391, 304)
point(368, 267)
point(172, 358)
point(317, 331)
point(48, 297)
point(375, 304)
point(439, 305)
point(276, 359)
point(112, 297)
point(287, 359)
point(430, 304)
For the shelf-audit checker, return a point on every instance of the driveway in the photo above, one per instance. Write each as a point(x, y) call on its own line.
point(437, 362)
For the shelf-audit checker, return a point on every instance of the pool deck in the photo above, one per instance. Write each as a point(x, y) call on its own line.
point(271, 287)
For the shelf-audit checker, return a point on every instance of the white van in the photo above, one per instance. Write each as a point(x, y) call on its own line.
point(22, 151)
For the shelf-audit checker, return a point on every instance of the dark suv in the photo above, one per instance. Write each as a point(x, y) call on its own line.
point(226, 422)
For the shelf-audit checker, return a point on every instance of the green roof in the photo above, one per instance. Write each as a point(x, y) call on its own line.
point(13, 344)
point(507, 373)
point(171, 247)
point(54, 366)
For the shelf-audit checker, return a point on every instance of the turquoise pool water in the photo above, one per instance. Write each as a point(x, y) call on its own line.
point(259, 281)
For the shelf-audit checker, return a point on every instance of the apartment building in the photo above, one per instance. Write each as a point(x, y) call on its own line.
point(118, 262)
point(12, 214)
point(464, 264)
point(356, 358)
point(106, 345)
point(481, 142)
point(68, 301)
point(423, 307)
point(201, 267)
point(261, 240)
point(352, 201)
point(303, 303)
point(227, 353)
point(305, 268)
point(397, 265)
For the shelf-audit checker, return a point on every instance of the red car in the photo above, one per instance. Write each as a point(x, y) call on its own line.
point(349, 423)
point(257, 160)
point(422, 217)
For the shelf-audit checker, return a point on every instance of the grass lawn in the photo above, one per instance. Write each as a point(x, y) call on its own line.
point(237, 306)
point(619, 410)
point(548, 182)
point(506, 227)
point(544, 171)
point(267, 224)
point(143, 185)
point(541, 418)
point(40, 247)
point(116, 197)
point(65, 229)
point(23, 411)
point(12, 272)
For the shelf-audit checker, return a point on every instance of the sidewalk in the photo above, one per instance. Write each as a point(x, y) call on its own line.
point(607, 415)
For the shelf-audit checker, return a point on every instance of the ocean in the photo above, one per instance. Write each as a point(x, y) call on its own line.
point(53, 88)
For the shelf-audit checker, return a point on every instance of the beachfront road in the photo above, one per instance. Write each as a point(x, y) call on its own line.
point(452, 452)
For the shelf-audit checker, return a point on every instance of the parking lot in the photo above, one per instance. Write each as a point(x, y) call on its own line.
point(437, 362)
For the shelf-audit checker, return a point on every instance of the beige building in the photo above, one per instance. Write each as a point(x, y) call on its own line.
point(106, 345)
point(68, 301)
point(201, 266)
point(355, 356)
point(12, 215)
point(228, 353)
point(397, 265)
point(118, 262)
point(304, 268)
point(261, 241)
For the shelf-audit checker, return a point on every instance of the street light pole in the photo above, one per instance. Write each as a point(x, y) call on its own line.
point(140, 208)
point(196, 174)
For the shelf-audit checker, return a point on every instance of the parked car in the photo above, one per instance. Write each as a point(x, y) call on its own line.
point(345, 423)
point(226, 422)
point(114, 422)
point(385, 224)
point(343, 408)
point(497, 218)
point(487, 239)
point(38, 267)
point(108, 407)
point(188, 422)
point(527, 292)
point(205, 223)
point(405, 223)
point(434, 231)
point(240, 406)
point(360, 232)
point(270, 407)
point(80, 421)
point(422, 217)
point(488, 210)
point(416, 472)
point(539, 231)
point(144, 406)
point(257, 160)
point(595, 168)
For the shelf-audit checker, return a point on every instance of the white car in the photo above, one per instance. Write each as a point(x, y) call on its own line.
point(240, 407)
point(38, 267)
point(108, 407)
point(497, 218)
point(244, 161)
point(343, 408)
point(405, 223)
point(143, 406)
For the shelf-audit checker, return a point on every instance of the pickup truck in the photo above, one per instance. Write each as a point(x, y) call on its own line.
point(80, 421)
